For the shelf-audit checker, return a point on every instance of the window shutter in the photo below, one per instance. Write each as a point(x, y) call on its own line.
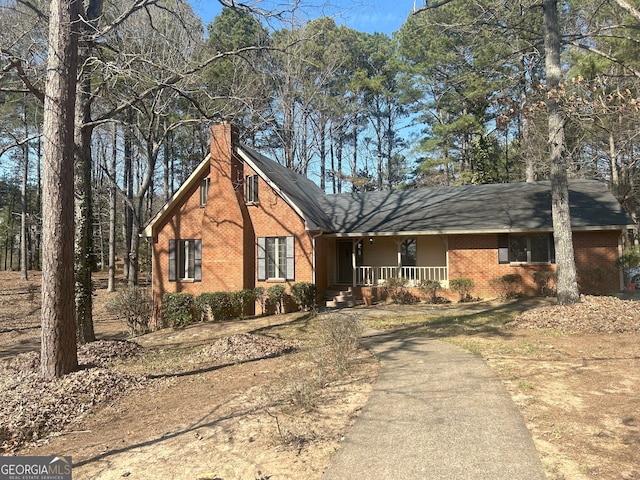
point(197, 264)
point(503, 248)
point(255, 188)
point(172, 260)
point(552, 249)
point(291, 268)
point(262, 259)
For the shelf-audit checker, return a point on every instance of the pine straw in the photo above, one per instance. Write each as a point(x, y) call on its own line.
point(593, 314)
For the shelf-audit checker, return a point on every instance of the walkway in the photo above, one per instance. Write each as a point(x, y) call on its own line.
point(436, 412)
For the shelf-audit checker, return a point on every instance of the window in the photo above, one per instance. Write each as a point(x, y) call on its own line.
point(185, 260)
point(251, 186)
point(534, 248)
point(275, 258)
point(409, 253)
point(204, 191)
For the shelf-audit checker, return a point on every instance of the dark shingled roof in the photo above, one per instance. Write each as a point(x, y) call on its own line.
point(473, 208)
point(505, 207)
point(301, 191)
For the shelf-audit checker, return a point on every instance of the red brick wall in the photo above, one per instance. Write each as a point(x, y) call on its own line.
point(228, 227)
point(476, 257)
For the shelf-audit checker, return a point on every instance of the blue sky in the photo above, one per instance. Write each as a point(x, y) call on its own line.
point(369, 16)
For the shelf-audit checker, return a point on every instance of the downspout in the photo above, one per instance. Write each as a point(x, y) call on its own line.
point(313, 257)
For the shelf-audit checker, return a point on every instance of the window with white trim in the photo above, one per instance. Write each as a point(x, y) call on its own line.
point(276, 258)
point(251, 187)
point(185, 260)
point(204, 191)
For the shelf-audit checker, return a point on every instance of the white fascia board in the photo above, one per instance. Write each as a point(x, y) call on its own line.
point(177, 196)
point(467, 232)
point(275, 187)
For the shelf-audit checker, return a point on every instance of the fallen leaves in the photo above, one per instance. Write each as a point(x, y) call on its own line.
point(592, 315)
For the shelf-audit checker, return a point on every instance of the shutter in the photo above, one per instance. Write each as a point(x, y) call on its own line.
point(291, 267)
point(197, 264)
point(262, 259)
point(552, 249)
point(172, 260)
point(255, 189)
point(503, 248)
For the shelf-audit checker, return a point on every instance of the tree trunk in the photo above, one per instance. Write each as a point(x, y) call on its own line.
point(24, 269)
point(58, 347)
point(567, 284)
point(128, 187)
point(84, 215)
point(113, 202)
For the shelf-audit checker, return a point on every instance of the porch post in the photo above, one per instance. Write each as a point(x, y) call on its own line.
point(354, 246)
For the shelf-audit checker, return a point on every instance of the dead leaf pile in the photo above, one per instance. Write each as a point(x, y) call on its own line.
point(592, 315)
point(244, 347)
point(31, 407)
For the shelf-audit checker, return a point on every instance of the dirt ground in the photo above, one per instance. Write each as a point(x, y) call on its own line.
point(193, 416)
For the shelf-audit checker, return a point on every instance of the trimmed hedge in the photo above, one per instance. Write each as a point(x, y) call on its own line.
point(179, 309)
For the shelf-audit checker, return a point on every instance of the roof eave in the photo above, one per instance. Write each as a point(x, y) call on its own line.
point(148, 230)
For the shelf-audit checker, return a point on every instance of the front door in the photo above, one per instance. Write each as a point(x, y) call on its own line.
point(345, 261)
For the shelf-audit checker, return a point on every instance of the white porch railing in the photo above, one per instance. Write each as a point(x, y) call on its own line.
point(373, 276)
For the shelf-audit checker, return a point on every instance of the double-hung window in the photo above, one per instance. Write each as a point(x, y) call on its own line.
point(409, 253)
point(526, 248)
point(185, 260)
point(251, 187)
point(276, 258)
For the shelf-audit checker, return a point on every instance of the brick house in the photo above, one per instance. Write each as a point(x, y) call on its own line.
point(242, 220)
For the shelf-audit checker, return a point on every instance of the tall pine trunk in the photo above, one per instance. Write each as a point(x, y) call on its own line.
point(24, 269)
point(113, 202)
point(567, 285)
point(58, 347)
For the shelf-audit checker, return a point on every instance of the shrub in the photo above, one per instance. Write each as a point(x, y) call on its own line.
point(242, 300)
point(430, 289)
point(260, 296)
point(338, 339)
point(218, 305)
point(179, 309)
point(544, 280)
point(591, 280)
point(396, 289)
point(463, 287)
point(304, 294)
point(133, 306)
point(508, 286)
point(275, 297)
point(629, 259)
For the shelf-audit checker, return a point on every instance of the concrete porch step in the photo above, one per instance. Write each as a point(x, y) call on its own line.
point(340, 299)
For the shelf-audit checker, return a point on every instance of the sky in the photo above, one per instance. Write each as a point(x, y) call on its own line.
point(384, 16)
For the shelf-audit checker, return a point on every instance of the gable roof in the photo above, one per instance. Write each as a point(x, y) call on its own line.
point(501, 208)
point(506, 207)
point(302, 194)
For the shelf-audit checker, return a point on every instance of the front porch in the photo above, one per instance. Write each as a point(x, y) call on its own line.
point(372, 261)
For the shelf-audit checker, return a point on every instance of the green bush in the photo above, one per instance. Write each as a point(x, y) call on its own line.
point(179, 309)
point(242, 300)
point(261, 297)
point(545, 280)
point(463, 287)
point(508, 286)
point(630, 258)
point(133, 306)
point(219, 305)
point(304, 294)
point(275, 297)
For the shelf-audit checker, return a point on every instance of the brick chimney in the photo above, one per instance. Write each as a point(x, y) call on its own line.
point(223, 227)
